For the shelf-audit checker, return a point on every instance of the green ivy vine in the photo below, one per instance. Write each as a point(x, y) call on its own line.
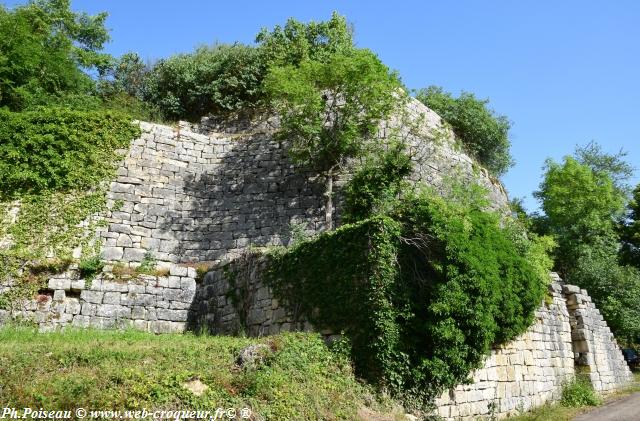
point(53, 164)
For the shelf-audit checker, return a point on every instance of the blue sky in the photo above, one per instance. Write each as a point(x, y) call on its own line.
point(564, 72)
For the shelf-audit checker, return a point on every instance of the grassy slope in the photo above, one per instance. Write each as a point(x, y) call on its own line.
point(301, 379)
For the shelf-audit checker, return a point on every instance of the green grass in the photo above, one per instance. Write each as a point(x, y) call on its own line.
point(299, 379)
point(565, 412)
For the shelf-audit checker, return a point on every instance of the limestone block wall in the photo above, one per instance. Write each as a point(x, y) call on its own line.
point(233, 299)
point(158, 304)
point(593, 343)
point(522, 374)
point(189, 197)
point(206, 192)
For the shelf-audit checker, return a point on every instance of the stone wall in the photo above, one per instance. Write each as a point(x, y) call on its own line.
point(188, 197)
point(568, 333)
point(158, 304)
point(234, 299)
point(593, 343)
point(207, 192)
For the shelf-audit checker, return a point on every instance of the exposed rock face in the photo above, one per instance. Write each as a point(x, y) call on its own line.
point(206, 192)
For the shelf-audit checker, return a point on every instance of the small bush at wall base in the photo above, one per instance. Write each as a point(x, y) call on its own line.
point(579, 393)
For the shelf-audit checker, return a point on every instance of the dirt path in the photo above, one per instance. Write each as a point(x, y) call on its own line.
point(625, 409)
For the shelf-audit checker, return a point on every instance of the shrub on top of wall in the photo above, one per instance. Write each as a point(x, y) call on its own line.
point(422, 294)
point(483, 133)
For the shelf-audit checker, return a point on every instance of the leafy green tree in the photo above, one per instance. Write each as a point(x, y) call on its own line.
point(298, 41)
point(483, 133)
point(612, 165)
point(630, 231)
point(583, 202)
point(45, 49)
point(216, 79)
point(580, 206)
point(126, 74)
point(122, 87)
point(331, 109)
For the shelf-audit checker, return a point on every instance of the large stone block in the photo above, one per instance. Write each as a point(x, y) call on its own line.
point(112, 253)
point(172, 315)
point(111, 298)
point(59, 283)
point(78, 285)
point(176, 270)
point(134, 254)
point(91, 296)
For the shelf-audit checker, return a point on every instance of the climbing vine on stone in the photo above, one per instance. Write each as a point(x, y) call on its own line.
point(422, 293)
point(53, 163)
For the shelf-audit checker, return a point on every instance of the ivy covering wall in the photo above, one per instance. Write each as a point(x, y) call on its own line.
point(53, 162)
point(422, 294)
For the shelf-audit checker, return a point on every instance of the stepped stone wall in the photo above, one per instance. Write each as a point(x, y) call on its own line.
point(593, 343)
point(158, 304)
point(206, 192)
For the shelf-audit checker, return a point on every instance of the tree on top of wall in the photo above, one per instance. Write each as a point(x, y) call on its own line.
point(331, 109)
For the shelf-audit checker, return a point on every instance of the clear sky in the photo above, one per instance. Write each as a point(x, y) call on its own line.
point(564, 72)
